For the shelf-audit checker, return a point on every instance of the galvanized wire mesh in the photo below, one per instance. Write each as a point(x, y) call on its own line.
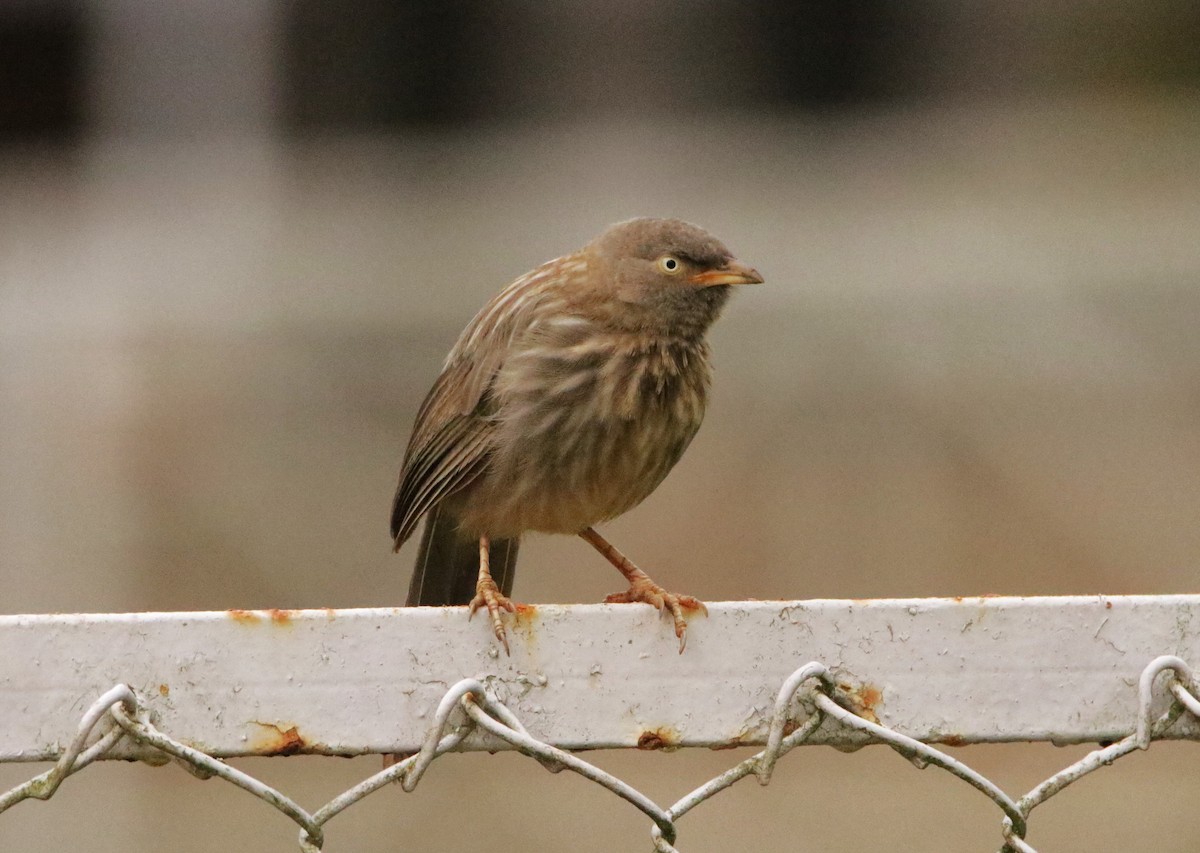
point(807, 700)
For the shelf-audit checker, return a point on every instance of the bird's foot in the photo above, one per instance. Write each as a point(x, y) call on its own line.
point(488, 595)
point(642, 589)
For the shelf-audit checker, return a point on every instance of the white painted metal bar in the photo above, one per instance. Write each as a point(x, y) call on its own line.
point(593, 676)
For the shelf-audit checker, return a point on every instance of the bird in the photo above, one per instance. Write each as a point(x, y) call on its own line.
point(564, 403)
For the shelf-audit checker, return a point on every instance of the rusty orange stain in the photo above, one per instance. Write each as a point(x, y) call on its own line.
point(525, 621)
point(865, 698)
point(280, 617)
point(525, 614)
point(1108, 605)
point(164, 690)
point(870, 696)
point(953, 740)
point(282, 741)
point(253, 617)
point(660, 738)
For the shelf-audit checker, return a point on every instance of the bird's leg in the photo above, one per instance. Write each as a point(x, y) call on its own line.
point(641, 588)
point(488, 595)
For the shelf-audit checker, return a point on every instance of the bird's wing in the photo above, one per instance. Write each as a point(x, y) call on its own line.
point(447, 451)
point(451, 439)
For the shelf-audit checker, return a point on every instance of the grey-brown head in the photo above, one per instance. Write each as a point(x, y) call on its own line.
point(675, 271)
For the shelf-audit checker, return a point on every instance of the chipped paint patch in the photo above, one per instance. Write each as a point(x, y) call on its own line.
point(663, 737)
point(279, 740)
point(864, 699)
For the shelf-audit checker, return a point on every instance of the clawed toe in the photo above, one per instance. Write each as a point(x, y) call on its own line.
point(646, 591)
point(488, 595)
point(641, 588)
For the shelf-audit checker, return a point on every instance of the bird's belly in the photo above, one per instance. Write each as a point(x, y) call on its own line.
point(570, 454)
point(572, 478)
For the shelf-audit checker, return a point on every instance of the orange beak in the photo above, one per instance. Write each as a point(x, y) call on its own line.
point(734, 272)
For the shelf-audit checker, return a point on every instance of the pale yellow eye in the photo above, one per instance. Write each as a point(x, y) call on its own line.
point(669, 264)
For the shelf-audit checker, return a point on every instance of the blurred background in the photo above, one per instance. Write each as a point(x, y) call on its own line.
point(238, 238)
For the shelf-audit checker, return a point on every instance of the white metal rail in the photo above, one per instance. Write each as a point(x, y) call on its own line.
point(200, 686)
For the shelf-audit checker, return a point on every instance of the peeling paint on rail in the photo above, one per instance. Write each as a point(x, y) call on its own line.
point(347, 682)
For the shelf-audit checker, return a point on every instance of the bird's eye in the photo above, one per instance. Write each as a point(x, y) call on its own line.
point(669, 265)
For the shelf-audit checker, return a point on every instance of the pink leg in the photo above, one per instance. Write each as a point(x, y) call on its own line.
point(488, 595)
point(641, 588)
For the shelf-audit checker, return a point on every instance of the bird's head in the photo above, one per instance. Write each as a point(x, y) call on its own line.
point(674, 272)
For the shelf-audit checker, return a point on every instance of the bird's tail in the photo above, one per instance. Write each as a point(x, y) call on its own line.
point(448, 564)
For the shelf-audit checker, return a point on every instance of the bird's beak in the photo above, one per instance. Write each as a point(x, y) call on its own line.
point(734, 272)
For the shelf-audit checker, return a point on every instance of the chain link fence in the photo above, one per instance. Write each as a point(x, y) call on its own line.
point(807, 700)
